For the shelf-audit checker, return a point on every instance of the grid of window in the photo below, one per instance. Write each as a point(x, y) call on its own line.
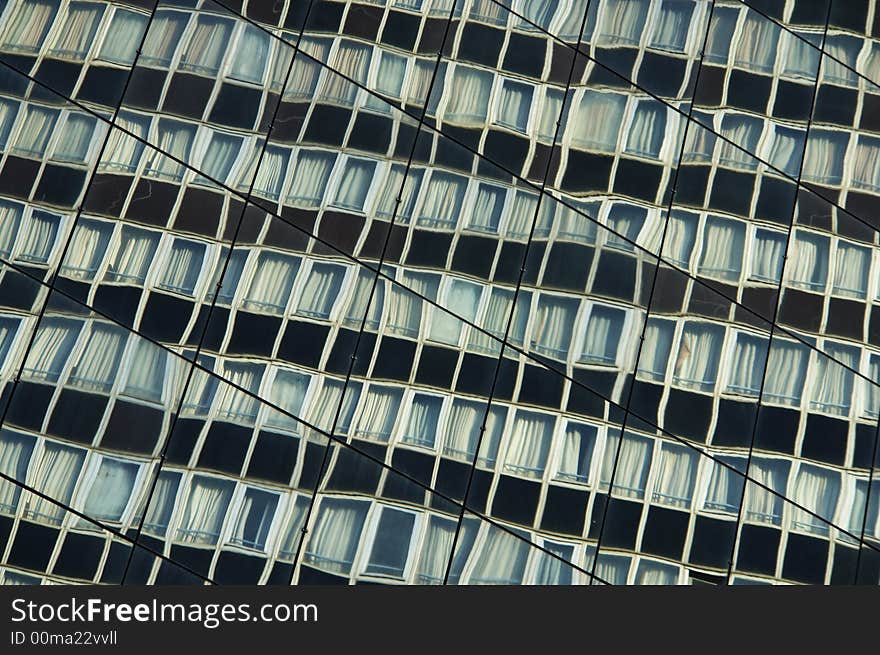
point(621, 279)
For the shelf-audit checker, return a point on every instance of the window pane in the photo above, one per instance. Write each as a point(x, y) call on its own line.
point(272, 281)
point(134, 255)
point(207, 44)
point(99, 361)
point(162, 38)
point(747, 368)
point(111, 490)
point(529, 444)
point(183, 266)
point(698, 355)
point(321, 290)
point(391, 544)
point(249, 62)
point(604, 334)
point(577, 452)
point(552, 325)
point(78, 30)
point(162, 503)
point(468, 96)
point(205, 510)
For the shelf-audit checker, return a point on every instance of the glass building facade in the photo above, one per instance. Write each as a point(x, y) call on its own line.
point(439, 291)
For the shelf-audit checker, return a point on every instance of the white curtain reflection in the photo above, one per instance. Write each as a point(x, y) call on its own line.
point(15, 455)
point(461, 299)
point(184, 264)
point(514, 105)
point(866, 172)
point(443, 197)
point(175, 139)
point(786, 372)
point(335, 538)
point(810, 265)
point(355, 183)
point(747, 367)
point(633, 464)
point(421, 428)
point(756, 46)
point(321, 290)
point(55, 476)
point(597, 124)
point(681, 233)
point(249, 60)
point(161, 503)
point(163, 37)
point(621, 22)
point(146, 372)
point(205, 510)
point(51, 348)
point(675, 476)
point(833, 384)
point(110, 491)
point(578, 445)
point(134, 254)
point(78, 29)
point(552, 325)
point(87, 248)
point(744, 132)
point(787, 148)
point(272, 281)
point(352, 61)
point(698, 355)
point(816, 489)
point(123, 36)
point(310, 177)
point(235, 404)
point(98, 362)
point(76, 137)
point(726, 484)
point(672, 24)
point(468, 96)
point(405, 306)
point(823, 161)
point(436, 551)
point(648, 128)
point(529, 444)
point(767, 253)
point(761, 504)
point(378, 413)
point(603, 335)
point(502, 559)
point(655, 573)
point(851, 271)
point(28, 25)
point(657, 343)
point(35, 131)
point(251, 527)
point(208, 43)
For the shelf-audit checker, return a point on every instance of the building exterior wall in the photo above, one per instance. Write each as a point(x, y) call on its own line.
point(439, 291)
